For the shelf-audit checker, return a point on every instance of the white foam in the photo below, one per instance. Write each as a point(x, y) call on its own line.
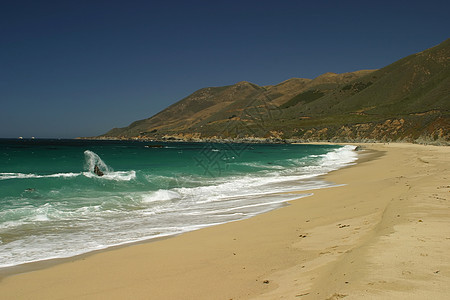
point(92, 160)
point(111, 175)
point(116, 176)
point(261, 165)
point(4, 176)
point(339, 157)
point(160, 195)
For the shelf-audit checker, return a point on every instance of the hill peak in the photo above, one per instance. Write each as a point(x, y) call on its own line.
point(244, 84)
point(327, 74)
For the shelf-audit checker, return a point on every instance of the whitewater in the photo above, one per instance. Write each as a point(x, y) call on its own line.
point(53, 205)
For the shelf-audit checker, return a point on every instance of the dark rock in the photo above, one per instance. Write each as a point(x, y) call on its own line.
point(97, 171)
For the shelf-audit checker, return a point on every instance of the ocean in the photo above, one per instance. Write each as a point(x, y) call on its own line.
point(53, 205)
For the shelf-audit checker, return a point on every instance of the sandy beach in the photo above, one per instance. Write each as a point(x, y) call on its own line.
point(384, 233)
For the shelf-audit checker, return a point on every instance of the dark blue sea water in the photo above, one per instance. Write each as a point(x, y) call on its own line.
point(52, 204)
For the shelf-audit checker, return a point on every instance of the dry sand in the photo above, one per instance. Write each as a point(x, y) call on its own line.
point(383, 235)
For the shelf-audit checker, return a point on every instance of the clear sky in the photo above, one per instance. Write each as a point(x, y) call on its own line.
point(80, 68)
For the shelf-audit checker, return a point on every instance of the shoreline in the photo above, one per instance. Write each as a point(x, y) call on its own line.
point(46, 263)
point(307, 249)
point(269, 140)
point(35, 265)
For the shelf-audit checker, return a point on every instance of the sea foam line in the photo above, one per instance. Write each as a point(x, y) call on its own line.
point(117, 175)
point(4, 176)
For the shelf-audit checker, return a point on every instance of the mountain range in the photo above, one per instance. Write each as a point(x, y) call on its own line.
point(408, 100)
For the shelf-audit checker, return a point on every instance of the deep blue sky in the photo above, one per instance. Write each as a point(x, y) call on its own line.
point(80, 68)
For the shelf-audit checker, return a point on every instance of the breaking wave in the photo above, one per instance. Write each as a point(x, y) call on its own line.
point(91, 160)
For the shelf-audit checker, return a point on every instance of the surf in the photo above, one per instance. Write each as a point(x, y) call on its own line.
point(4, 176)
point(52, 204)
point(92, 160)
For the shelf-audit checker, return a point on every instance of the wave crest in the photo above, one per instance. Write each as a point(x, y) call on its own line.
point(4, 176)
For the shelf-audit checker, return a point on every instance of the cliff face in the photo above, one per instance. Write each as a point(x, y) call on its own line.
point(407, 100)
point(390, 130)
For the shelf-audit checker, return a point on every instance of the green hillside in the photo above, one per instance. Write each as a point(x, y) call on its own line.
point(408, 100)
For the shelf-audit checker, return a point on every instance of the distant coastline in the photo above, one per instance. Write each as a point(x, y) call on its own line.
point(256, 140)
point(406, 101)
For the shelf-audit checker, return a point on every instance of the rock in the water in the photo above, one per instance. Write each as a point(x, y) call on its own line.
point(98, 171)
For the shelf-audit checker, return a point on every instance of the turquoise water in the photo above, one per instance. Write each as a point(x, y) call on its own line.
point(53, 205)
